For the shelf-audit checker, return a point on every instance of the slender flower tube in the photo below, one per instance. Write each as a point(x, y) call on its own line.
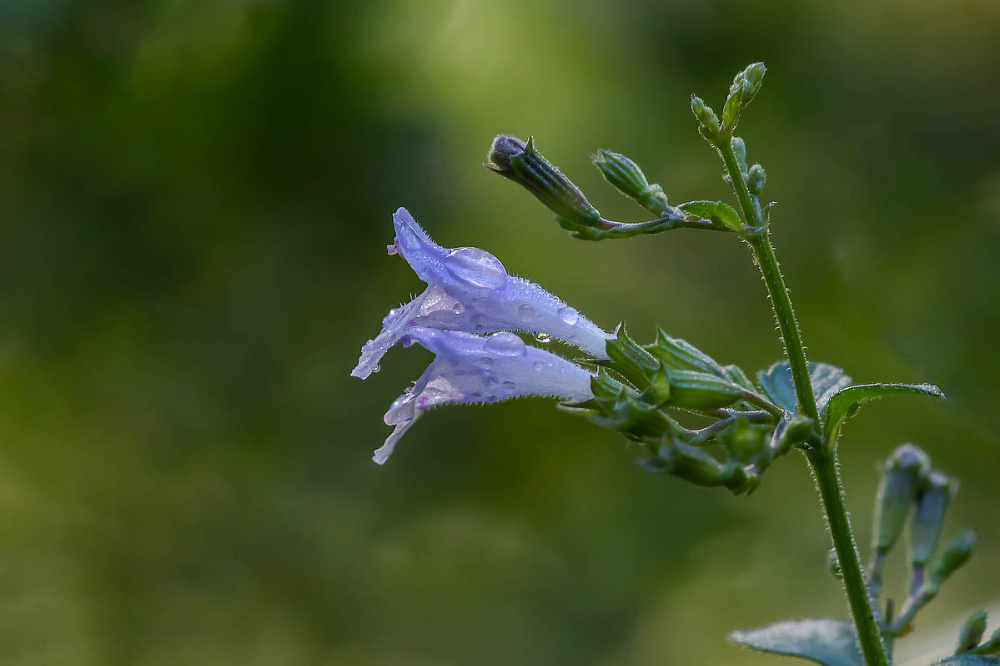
point(471, 368)
point(469, 290)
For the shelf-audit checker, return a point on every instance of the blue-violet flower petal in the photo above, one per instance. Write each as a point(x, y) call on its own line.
point(471, 368)
point(469, 290)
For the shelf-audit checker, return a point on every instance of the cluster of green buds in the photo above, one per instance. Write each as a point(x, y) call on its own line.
point(910, 491)
point(521, 162)
point(719, 133)
point(645, 391)
point(742, 91)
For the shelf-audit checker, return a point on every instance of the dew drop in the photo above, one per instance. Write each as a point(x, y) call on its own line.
point(485, 362)
point(491, 398)
point(509, 387)
point(476, 267)
point(526, 313)
point(376, 368)
point(544, 338)
point(537, 366)
point(479, 323)
point(476, 395)
point(490, 382)
point(505, 344)
point(569, 315)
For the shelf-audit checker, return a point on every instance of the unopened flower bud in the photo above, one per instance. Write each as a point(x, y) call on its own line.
point(901, 477)
point(700, 390)
point(742, 91)
point(512, 158)
point(706, 116)
point(971, 633)
point(756, 179)
point(748, 83)
point(626, 176)
point(928, 518)
point(740, 152)
point(744, 440)
point(957, 552)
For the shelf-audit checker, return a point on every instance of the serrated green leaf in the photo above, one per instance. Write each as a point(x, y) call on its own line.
point(717, 212)
point(968, 660)
point(826, 381)
point(823, 640)
point(844, 402)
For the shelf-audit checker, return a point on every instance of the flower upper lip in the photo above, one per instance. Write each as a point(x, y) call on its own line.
point(470, 368)
point(469, 290)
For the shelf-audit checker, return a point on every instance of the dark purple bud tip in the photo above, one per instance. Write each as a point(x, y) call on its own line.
point(503, 149)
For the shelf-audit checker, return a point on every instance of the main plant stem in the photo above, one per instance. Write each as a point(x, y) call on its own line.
point(824, 467)
point(821, 454)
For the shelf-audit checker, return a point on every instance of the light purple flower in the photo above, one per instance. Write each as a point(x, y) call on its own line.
point(476, 368)
point(469, 290)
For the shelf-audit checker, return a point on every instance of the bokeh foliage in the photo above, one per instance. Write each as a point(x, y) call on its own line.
point(196, 199)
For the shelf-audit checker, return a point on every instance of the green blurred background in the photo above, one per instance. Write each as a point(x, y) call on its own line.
point(196, 199)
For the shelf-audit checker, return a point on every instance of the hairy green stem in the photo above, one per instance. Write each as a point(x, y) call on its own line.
point(760, 242)
point(824, 468)
point(821, 454)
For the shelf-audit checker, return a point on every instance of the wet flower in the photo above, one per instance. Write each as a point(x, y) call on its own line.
point(470, 368)
point(469, 290)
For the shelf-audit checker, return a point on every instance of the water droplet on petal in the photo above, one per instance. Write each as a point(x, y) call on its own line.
point(509, 387)
point(389, 318)
point(476, 267)
point(526, 313)
point(479, 323)
point(490, 382)
point(569, 315)
point(491, 398)
point(544, 338)
point(485, 362)
point(537, 366)
point(505, 344)
point(376, 367)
